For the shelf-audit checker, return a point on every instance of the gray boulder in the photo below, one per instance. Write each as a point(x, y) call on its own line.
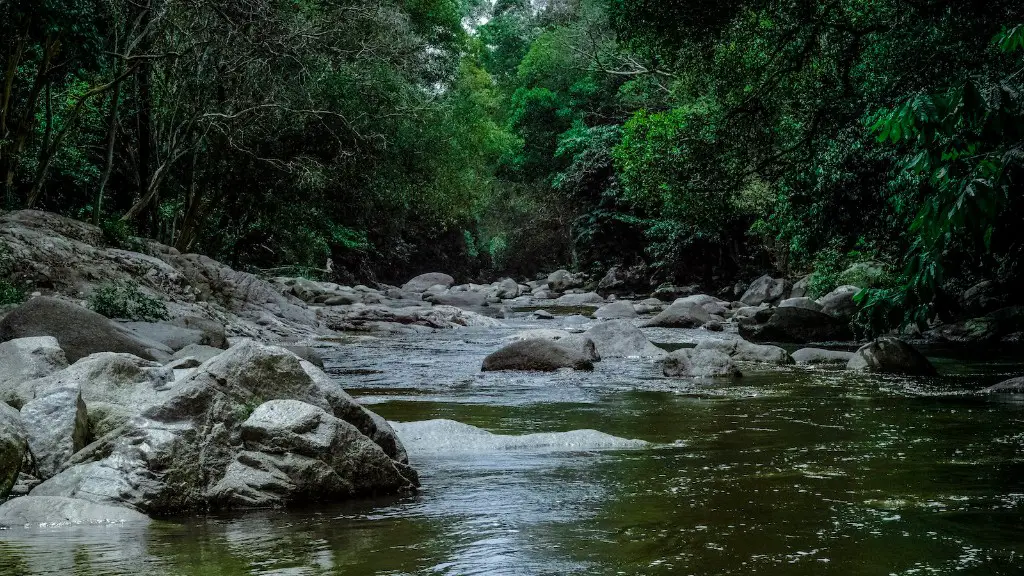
point(703, 363)
point(802, 302)
point(743, 351)
point(800, 287)
point(889, 355)
point(681, 314)
point(839, 302)
point(621, 339)
point(13, 448)
point(424, 282)
point(537, 354)
point(214, 333)
point(562, 280)
point(173, 337)
point(459, 299)
point(821, 356)
point(25, 359)
point(79, 331)
point(764, 289)
point(1011, 386)
point(579, 299)
point(579, 342)
point(198, 351)
point(58, 511)
point(175, 455)
point(799, 326)
point(616, 311)
point(56, 426)
point(507, 289)
point(307, 353)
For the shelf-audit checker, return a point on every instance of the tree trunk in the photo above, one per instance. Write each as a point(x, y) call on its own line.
point(115, 104)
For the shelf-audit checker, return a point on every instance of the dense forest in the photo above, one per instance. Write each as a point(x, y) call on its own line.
point(683, 141)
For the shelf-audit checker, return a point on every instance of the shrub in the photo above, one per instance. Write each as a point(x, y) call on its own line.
point(10, 293)
point(124, 299)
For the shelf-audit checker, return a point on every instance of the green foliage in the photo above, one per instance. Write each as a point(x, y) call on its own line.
point(10, 292)
point(125, 300)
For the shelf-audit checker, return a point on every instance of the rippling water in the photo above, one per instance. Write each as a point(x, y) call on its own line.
point(801, 471)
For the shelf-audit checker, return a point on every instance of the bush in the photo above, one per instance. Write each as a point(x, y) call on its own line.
point(123, 299)
point(10, 293)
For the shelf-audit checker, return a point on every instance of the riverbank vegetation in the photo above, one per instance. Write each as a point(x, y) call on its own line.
point(687, 141)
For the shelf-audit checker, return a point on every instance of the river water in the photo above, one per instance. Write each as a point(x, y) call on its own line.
point(785, 472)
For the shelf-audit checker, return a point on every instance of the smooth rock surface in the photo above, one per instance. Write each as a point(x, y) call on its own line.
point(423, 282)
point(536, 355)
point(681, 314)
point(621, 339)
point(622, 309)
point(53, 511)
point(25, 359)
point(703, 363)
point(764, 290)
point(821, 356)
point(743, 351)
point(799, 326)
point(839, 302)
point(889, 355)
point(13, 448)
point(56, 427)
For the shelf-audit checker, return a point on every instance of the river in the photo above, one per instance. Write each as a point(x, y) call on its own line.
point(785, 472)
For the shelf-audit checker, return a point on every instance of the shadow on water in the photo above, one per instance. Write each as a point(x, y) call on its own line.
point(790, 472)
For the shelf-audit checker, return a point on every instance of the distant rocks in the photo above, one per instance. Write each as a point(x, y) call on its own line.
point(537, 354)
point(820, 356)
point(889, 355)
point(1011, 386)
point(424, 282)
point(699, 363)
point(798, 326)
point(621, 339)
point(764, 290)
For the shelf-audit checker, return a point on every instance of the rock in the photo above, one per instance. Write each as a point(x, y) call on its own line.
point(198, 351)
point(803, 302)
point(671, 293)
point(821, 356)
point(307, 353)
point(578, 342)
point(186, 363)
point(25, 359)
point(799, 326)
point(839, 302)
point(79, 332)
point(423, 282)
point(13, 448)
point(24, 484)
point(34, 511)
point(295, 452)
point(507, 289)
point(616, 311)
point(681, 314)
point(1011, 386)
point(623, 279)
point(621, 339)
point(459, 299)
point(176, 455)
point(983, 297)
point(173, 337)
point(704, 363)
point(56, 427)
point(570, 300)
point(764, 289)
point(743, 351)
point(562, 280)
point(543, 315)
point(710, 304)
point(800, 287)
point(889, 355)
point(214, 333)
point(536, 355)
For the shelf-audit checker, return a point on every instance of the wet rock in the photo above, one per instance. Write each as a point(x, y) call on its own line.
point(579, 342)
point(616, 311)
point(24, 484)
point(983, 297)
point(889, 355)
point(799, 326)
point(586, 299)
point(25, 359)
point(13, 448)
point(57, 511)
point(543, 315)
point(423, 282)
point(703, 363)
point(764, 290)
point(621, 339)
point(448, 437)
point(562, 280)
point(56, 426)
point(681, 314)
point(79, 332)
point(821, 356)
point(1011, 386)
point(743, 351)
point(307, 353)
point(214, 334)
point(805, 303)
point(839, 302)
point(539, 355)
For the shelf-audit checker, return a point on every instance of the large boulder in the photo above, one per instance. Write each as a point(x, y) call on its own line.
point(622, 309)
point(840, 303)
point(802, 302)
point(562, 280)
point(621, 339)
point(200, 352)
point(424, 282)
point(799, 326)
point(25, 359)
point(579, 342)
point(764, 289)
point(537, 355)
point(699, 363)
point(983, 297)
point(173, 337)
point(213, 333)
point(59, 511)
point(821, 356)
point(56, 426)
point(743, 351)
point(623, 279)
point(79, 331)
point(681, 314)
point(459, 299)
point(1011, 386)
point(801, 287)
point(507, 289)
point(889, 355)
point(570, 300)
point(13, 448)
point(176, 455)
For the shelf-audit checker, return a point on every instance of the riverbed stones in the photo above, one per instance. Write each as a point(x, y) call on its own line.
point(537, 355)
point(25, 359)
point(459, 299)
point(839, 302)
point(79, 331)
point(13, 448)
point(56, 426)
point(616, 311)
point(764, 290)
point(681, 314)
point(198, 351)
point(621, 339)
point(423, 282)
point(699, 363)
point(743, 351)
point(34, 511)
point(813, 356)
point(170, 458)
point(890, 355)
point(798, 326)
